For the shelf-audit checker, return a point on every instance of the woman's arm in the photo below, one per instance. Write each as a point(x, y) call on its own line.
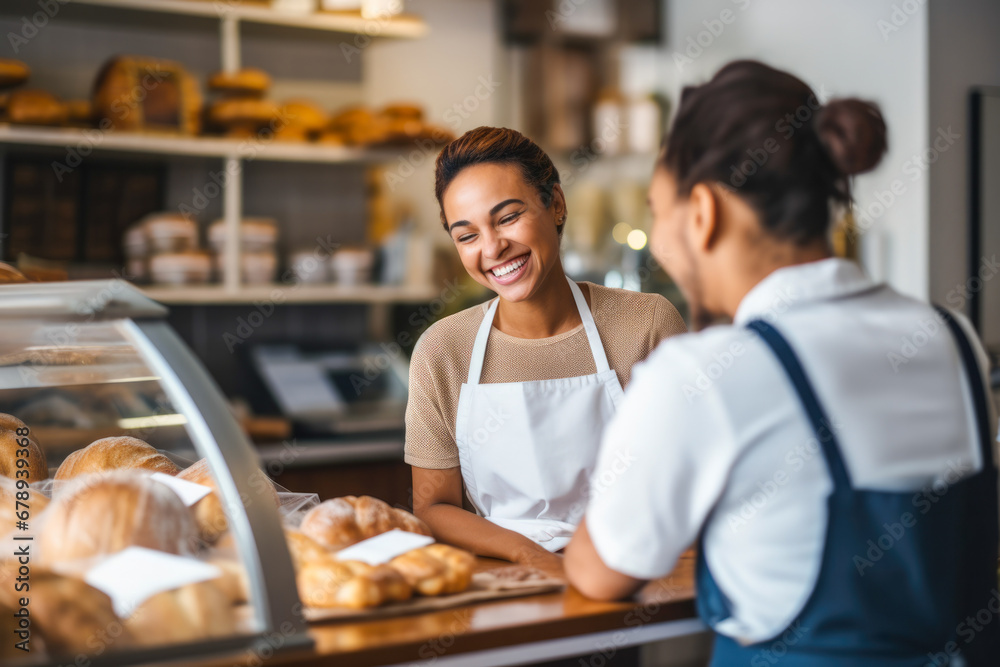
point(437, 500)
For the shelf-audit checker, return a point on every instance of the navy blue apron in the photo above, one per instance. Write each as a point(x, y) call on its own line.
point(931, 597)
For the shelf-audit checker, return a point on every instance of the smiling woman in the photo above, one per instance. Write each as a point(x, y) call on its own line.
point(508, 399)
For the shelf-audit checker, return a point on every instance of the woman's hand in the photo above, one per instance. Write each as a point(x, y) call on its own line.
point(541, 559)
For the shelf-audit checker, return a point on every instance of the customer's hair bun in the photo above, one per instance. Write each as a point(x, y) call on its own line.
point(854, 134)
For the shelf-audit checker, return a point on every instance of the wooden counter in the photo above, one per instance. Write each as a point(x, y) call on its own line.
point(542, 627)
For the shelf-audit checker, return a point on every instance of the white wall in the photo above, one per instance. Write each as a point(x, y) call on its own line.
point(840, 49)
point(965, 52)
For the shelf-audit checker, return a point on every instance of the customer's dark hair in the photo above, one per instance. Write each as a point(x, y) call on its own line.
point(498, 145)
point(763, 133)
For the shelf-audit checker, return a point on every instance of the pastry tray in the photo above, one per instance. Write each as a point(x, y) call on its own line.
point(496, 584)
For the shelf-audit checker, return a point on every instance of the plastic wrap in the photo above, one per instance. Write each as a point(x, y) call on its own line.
point(101, 514)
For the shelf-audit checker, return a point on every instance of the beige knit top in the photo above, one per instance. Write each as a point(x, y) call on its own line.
point(630, 324)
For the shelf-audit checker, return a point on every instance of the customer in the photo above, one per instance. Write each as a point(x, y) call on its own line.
point(842, 494)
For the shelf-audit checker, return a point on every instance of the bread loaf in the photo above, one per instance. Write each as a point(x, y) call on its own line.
point(248, 81)
point(137, 93)
point(437, 569)
point(185, 614)
point(67, 614)
point(102, 514)
point(115, 453)
point(8, 274)
point(209, 513)
point(303, 549)
point(14, 447)
point(341, 522)
point(36, 107)
point(328, 583)
point(13, 73)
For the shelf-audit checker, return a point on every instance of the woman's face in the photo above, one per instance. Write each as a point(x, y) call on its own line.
point(506, 238)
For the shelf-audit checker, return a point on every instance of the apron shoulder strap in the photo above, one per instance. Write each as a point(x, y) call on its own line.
point(817, 417)
point(590, 327)
point(479, 347)
point(976, 384)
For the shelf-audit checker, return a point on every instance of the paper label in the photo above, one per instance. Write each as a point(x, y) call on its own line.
point(383, 548)
point(135, 574)
point(189, 492)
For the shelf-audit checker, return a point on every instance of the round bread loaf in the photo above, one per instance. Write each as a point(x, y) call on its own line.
point(103, 514)
point(341, 522)
point(36, 107)
point(13, 72)
point(238, 111)
point(304, 114)
point(246, 81)
point(403, 110)
point(208, 512)
point(14, 447)
point(115, 453)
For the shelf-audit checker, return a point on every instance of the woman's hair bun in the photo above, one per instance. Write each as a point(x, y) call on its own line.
point(853, 133)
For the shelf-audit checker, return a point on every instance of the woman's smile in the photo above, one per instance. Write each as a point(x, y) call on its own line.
point(510, 271)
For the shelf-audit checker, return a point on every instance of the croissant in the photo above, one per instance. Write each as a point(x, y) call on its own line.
point(328, 583)
point(437, 569)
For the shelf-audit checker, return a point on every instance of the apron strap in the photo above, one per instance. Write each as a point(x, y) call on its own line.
point(974, 377)
point(593, 338)
point(479, 348)
point(817, 417)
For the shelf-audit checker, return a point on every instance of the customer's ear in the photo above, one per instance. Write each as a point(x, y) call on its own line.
point(704, 217)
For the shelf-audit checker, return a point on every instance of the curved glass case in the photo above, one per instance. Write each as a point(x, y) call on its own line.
point(84, 361)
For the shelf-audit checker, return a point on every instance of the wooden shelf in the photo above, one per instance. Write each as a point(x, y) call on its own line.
point(83, 141)
point(403, 26)
point(279, 294)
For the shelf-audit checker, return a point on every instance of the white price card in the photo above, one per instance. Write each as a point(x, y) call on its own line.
point(135, 574)
point(189, 492)
point(383, 548)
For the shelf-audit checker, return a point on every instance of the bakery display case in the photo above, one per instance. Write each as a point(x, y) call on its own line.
point(146, 530)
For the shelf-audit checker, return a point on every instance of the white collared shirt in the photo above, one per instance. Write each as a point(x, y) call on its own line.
point(711, 431)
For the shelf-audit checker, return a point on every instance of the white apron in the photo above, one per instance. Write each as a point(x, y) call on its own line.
point(527, 449)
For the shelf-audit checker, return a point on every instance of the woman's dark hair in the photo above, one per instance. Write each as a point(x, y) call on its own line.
point(497, 145)
point(763, 133)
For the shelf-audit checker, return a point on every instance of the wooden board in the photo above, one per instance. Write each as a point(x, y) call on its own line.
point(486, 586)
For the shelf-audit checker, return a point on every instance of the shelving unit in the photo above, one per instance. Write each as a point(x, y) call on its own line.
point(218, 294)
point(403, 26)
point(235, 153)
point(177, 146)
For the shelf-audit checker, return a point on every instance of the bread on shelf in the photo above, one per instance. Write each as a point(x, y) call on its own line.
point(102, 514)
point(341, 522)
point(14, 446)
point(36, 107)
point(138, 93)
point(115, 453)
point(248, 81)
point(13, 72)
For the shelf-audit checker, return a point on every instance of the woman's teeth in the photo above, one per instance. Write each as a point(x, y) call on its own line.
point(501, 271)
